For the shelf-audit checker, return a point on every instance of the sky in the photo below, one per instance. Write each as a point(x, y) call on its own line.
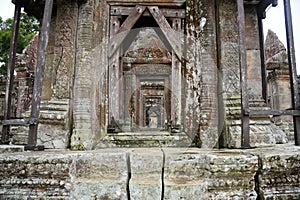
point(273, 21)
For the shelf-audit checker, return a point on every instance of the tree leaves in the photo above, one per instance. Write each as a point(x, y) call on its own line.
point(28, 28)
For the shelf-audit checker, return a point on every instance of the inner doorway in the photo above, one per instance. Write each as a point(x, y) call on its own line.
point(144, 69)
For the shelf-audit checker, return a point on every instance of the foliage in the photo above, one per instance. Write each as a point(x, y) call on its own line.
point(28, 28)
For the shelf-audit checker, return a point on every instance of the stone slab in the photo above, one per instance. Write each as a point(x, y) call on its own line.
point(151, 173)
point(11, 148)
point(146, 167)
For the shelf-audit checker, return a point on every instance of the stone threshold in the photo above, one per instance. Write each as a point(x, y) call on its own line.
point(145, 139)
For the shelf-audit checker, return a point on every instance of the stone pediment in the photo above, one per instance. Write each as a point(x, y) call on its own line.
point(147, 48)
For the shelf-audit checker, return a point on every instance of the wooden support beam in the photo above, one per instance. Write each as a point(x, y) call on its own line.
point(262, 6)
point(38, 79)
point(125, 28)
point(262, 60)
point(243, 74)
point(249, 112)
point(15, 122)
point(172, 36)
point(10, 74)
point(167, 12)
point(292, 67)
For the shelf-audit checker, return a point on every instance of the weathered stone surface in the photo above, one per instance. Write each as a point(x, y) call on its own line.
point(11, 148)
point(201, 89)
point(279, 82)
point(145, 139)
point(64, 175)
point(200, 173)
point(152, 173)
point(146, 167)
point(276, 56)
point(278, 176)
point(200, 74)
point(100, 175)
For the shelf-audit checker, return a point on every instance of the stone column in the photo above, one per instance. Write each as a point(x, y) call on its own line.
point(128, 92)
point(82, 137)
point(228, 61)
point(262, 131)
point(200, 109)
point(54, 129)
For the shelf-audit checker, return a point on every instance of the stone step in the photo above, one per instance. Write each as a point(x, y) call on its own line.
point(146, 139)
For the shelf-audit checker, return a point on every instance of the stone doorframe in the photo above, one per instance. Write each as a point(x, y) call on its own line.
point(119, 31)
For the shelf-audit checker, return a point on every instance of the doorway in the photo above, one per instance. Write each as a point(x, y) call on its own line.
point(144, 82)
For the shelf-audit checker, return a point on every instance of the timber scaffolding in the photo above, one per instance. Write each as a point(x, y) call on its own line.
point(48, 5)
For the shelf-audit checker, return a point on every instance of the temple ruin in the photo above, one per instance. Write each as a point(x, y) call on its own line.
point(115, 71)
point(169, 73)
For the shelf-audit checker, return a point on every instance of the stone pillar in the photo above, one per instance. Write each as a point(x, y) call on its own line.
point(81, 137)
point(229, 70)
point(200, 109)
point(55, 127)
point(128, 92)
point(89, 104)
point(262, 131)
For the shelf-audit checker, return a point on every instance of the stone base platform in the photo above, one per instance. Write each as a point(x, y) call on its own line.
point(152, 173)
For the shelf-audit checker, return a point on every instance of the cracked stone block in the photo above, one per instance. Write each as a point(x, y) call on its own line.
point(146, 174)
point(100, 175)
point(184, 174)
point(279, 174)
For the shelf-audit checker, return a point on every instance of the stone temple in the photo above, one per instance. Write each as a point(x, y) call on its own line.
point(194, 75)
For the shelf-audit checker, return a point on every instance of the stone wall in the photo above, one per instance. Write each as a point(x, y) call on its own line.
point(152, 174)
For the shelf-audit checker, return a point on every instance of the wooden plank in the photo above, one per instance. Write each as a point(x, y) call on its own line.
point(38, 79)
point(167, 12)
point(10, 74)
point(292, 67)
point(125, 28)
point(172, 36)
point(113, 76)
point(26, 121)
point(243, 74)
point(250, 112)
point(166, 3)
point(176, 81)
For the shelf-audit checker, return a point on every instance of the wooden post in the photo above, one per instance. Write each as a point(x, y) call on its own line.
point(38, 79)
point(243, 73)
point(292, 67)
point(262, 60)
point(10, 73)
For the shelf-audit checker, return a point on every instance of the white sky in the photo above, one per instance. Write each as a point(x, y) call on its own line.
point(274, 21)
